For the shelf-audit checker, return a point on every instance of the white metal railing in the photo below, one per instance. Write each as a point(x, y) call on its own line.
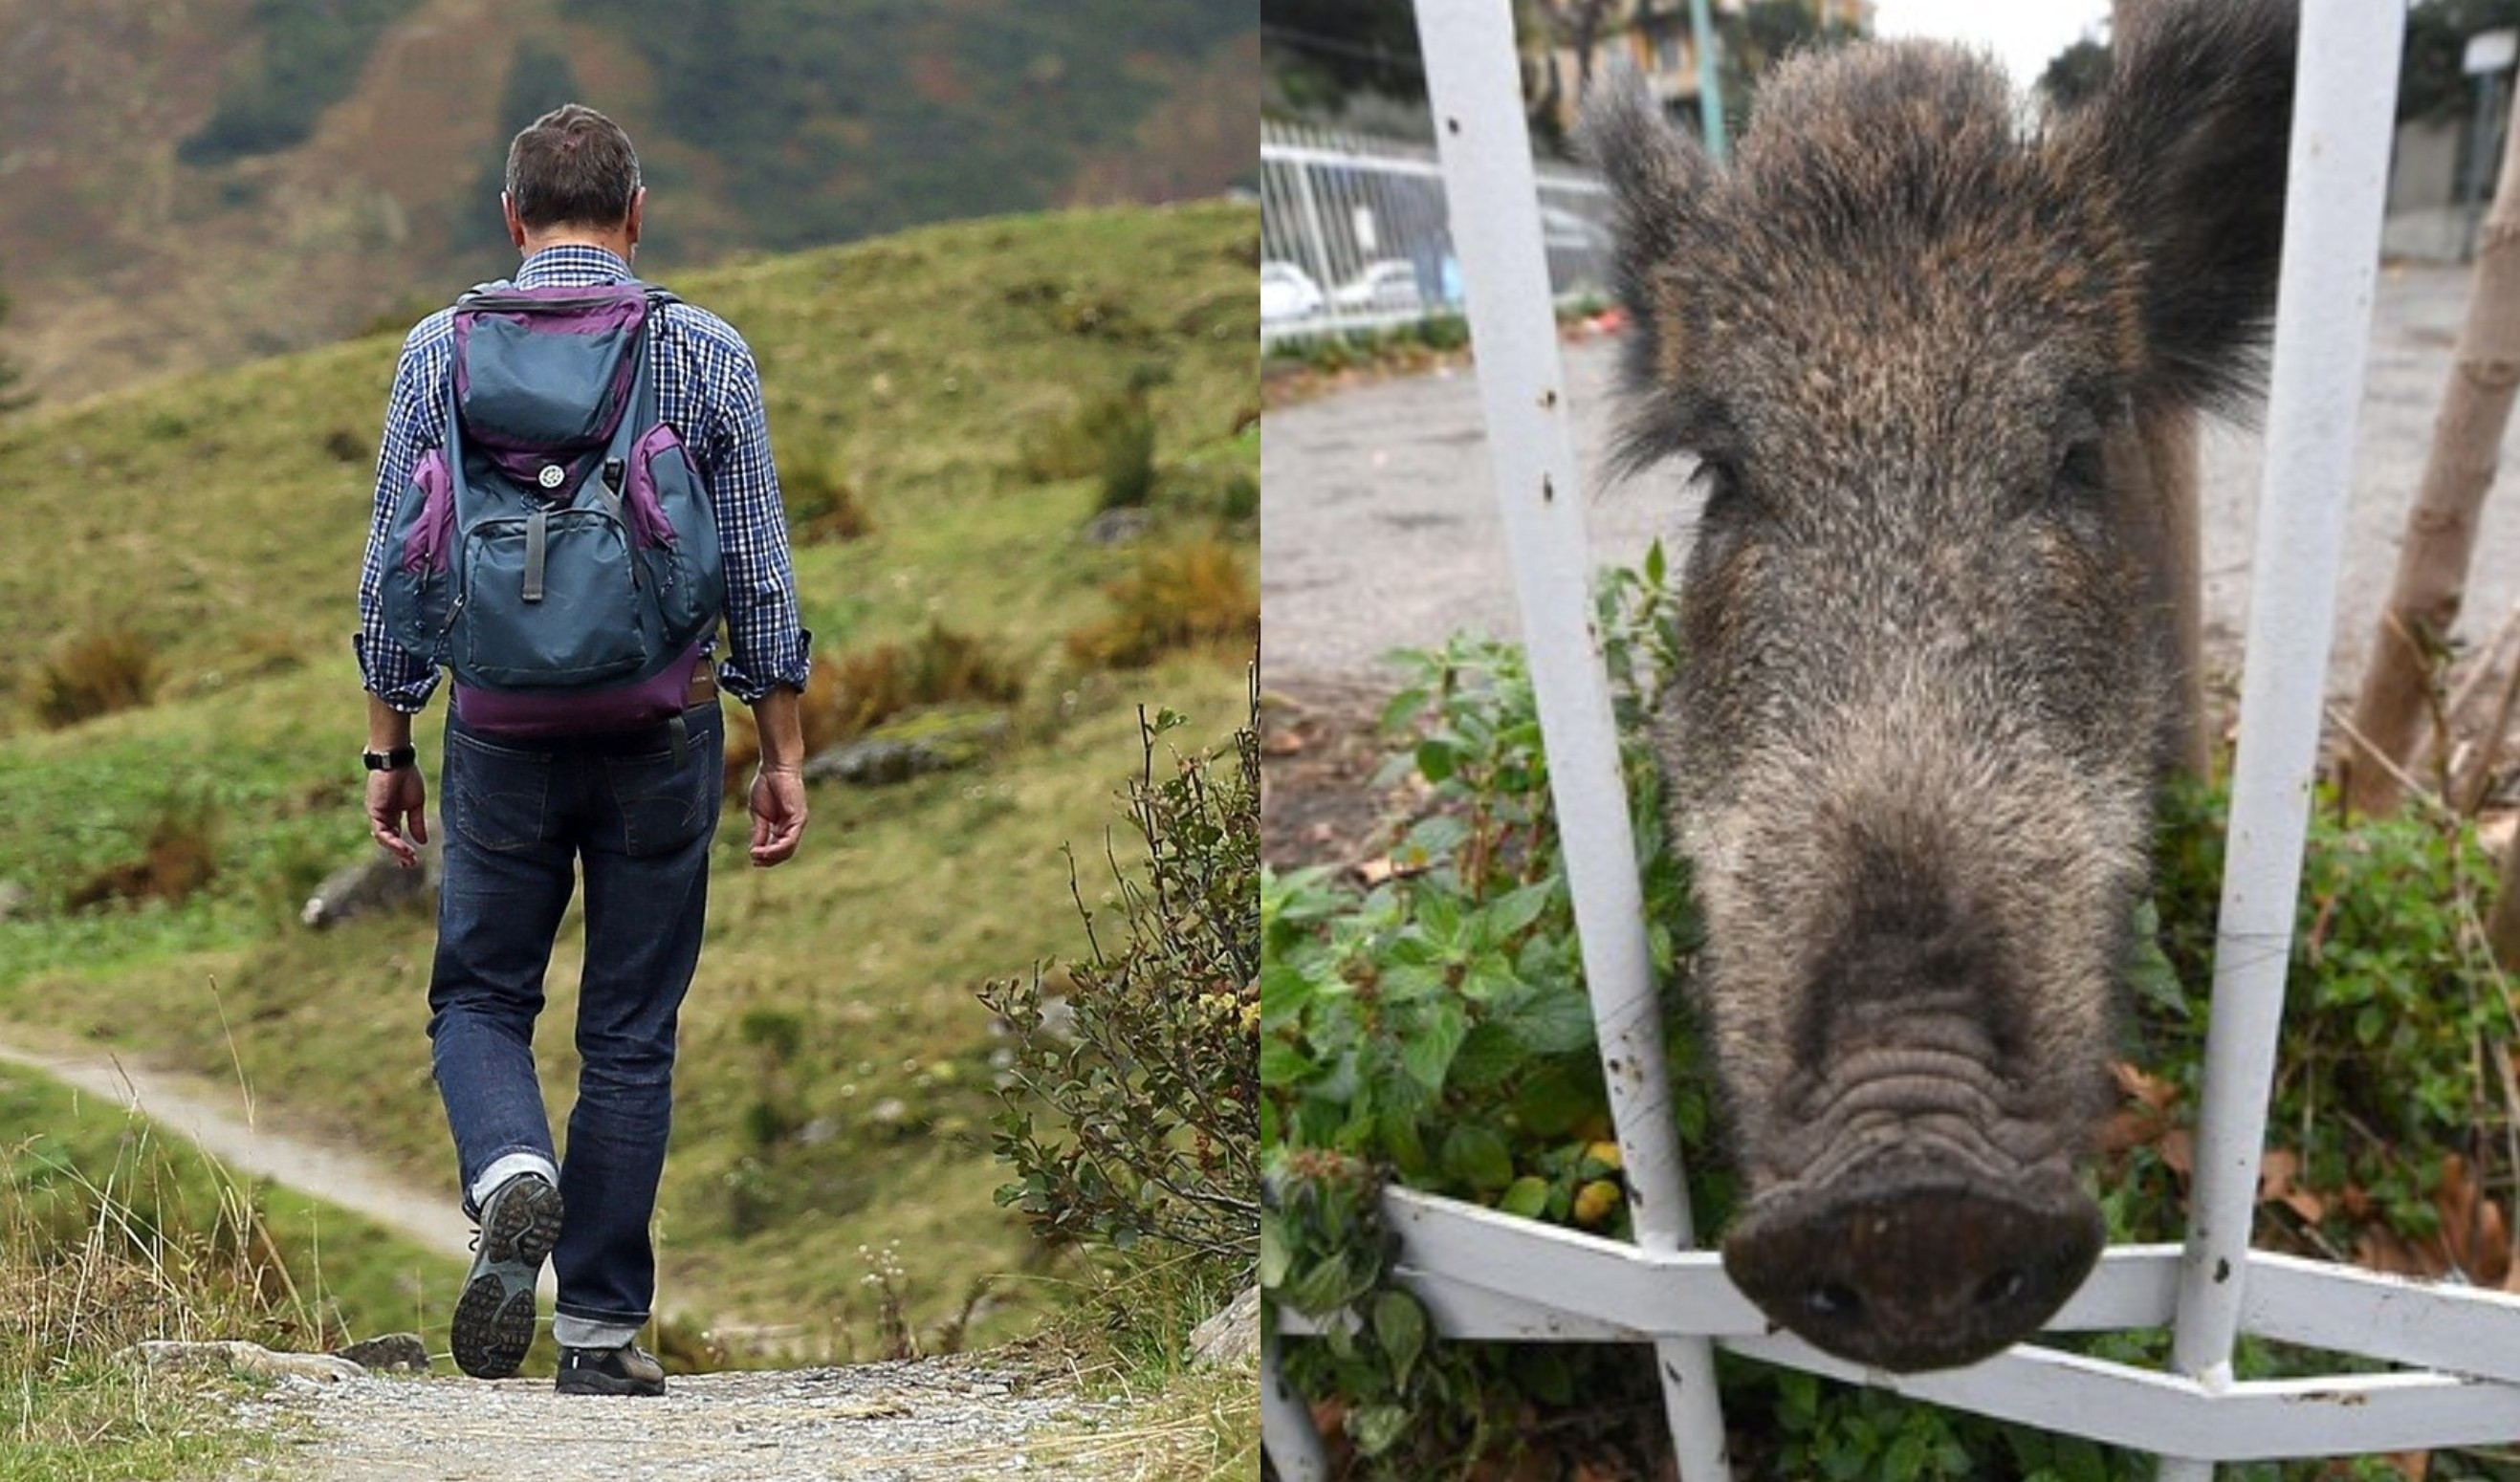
point(1485, 1274)
point(1356, 233)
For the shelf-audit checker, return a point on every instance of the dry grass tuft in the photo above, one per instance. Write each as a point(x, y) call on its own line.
point(97, 673)
point(1182, 596)
point(822, 499)
point(864, 688)
point(181, 857)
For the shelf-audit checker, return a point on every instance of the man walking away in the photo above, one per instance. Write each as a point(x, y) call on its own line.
point(574, 477)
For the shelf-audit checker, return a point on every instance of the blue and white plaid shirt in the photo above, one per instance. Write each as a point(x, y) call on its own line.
point(707, 390)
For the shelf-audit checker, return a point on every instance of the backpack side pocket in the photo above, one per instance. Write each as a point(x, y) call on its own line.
point(676, 533)
point(418, 588)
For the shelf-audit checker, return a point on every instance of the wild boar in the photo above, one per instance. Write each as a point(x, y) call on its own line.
point(1910, 336)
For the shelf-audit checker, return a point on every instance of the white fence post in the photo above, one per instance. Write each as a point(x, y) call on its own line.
point(2346, 89)
point(1481, 137)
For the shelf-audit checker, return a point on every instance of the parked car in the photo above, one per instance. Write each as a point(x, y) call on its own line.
point(1286, 292)
point(1562, 228)
point(1386, 287)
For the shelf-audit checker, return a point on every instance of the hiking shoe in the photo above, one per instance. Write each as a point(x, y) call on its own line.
point(625, 1370)
point(494, 1319)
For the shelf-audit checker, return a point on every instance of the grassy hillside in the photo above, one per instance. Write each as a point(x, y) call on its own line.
point(220, 520)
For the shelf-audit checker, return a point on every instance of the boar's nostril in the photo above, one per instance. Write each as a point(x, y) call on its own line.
point(1917, 1268)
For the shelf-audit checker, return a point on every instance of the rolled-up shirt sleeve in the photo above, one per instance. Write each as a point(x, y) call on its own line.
point(389, 671)
point(767, 643)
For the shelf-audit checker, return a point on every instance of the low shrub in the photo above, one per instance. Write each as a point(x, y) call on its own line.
point(1111, 434)
point(1183, 593)
point(1140, 1120)
point(97, 673)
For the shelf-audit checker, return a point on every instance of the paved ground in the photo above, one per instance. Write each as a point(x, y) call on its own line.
point(1381, 529)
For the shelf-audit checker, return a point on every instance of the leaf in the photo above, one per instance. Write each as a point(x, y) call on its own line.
point(1437, 836)
point(1505, 917)
point(1428, 1055)
point(1556, 1021)
point(1487, 1057)
point(1525, 1197)
point(1376, 1428)
point(1478, 1157)
point(1437, 759)
point(1400, 1326)
point(1552, 1100)
point(1276, 1254)
point(1283, 1065)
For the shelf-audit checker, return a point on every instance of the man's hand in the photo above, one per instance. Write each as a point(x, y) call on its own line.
point(779, 790)
point(396, 801)
point(777, 815)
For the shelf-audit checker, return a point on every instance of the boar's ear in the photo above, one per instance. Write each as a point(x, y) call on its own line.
point(1657, 177)
point(2192, 134)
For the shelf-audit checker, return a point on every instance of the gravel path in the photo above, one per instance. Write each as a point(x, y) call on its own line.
point(919, 1421)
point(1381, 528)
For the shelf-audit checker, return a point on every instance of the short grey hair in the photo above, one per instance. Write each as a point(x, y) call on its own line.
point(573, 166)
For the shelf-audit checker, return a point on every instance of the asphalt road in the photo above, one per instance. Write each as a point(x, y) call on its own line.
point(1380, 531)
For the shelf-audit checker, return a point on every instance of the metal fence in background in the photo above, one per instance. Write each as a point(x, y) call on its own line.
point(1355, 237)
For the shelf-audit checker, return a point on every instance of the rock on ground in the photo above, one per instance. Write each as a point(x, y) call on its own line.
point(1232, 1336)
point(925, 1420)
point(247, 1358)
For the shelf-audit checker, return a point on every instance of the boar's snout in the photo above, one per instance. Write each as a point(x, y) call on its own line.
point(1904, 1269)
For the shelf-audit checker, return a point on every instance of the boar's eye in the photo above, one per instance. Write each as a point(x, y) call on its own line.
point(2082, 470)
point(1719, 476)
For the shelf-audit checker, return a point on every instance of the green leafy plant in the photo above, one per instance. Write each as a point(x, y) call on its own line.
point(1433, 1028)
point(1430, 1027)
point(1141, 1122)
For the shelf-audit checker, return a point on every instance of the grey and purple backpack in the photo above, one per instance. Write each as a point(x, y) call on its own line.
point(558, 554)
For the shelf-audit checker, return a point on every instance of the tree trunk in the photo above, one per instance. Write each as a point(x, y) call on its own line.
point(2502, 926)
point(2395, 700)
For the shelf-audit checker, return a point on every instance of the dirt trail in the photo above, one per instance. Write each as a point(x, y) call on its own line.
point(221, 1119)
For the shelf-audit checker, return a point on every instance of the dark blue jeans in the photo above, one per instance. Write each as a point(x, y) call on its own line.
point(520, 815)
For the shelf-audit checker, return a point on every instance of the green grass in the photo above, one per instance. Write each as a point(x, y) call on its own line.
point(111, 1232)
point(230, 542)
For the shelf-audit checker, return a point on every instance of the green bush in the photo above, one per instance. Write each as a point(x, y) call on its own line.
point(1432, 1028)
point(1141, 1122)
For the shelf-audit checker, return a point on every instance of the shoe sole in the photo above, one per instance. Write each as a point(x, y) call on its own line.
point(494, 1318)
point(583, 1381)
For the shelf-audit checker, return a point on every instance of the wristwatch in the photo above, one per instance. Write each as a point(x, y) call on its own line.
point(391, 761)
